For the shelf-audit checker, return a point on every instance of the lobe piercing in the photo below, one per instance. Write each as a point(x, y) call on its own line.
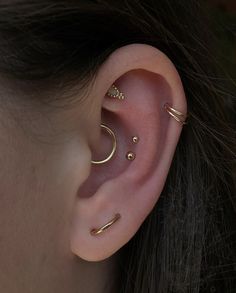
point(100, 230)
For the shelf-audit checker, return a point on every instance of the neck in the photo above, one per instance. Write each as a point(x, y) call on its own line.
point(98, 277)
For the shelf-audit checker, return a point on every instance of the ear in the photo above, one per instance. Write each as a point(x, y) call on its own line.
point(148, 80)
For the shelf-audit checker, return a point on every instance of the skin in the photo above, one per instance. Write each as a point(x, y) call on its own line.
point(51, 195)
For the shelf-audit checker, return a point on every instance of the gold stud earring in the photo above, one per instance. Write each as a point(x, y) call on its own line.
point(135, 139)
point(114, 92)
point(130, 156)
point(114, 145)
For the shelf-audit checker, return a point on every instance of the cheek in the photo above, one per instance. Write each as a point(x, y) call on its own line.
point(38, 188)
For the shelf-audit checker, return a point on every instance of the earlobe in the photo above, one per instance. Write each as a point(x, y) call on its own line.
point(143, 120)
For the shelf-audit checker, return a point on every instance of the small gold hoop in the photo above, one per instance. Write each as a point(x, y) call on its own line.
point(177, 115)
point(97, 231)
point(114, 145)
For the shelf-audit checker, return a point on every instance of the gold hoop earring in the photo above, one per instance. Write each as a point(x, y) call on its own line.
point(177, 115)
point(97, 231)
point(114, 145)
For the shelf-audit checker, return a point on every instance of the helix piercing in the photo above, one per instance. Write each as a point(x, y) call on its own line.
point(114, 145)
point(177, 115)
point(97, 231)
point(114, 92)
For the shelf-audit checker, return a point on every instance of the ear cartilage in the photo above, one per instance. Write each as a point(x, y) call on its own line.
point(130, 156)
point(114, 92)
point(97, 231)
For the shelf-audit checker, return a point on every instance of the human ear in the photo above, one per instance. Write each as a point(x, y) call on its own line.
point(130, 188)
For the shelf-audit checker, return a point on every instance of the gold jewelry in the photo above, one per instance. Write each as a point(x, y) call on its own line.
point(114, 92)
point(130, 156)
point(135, 139)
point(177, 115)
point(96, 231)
point(114, 145)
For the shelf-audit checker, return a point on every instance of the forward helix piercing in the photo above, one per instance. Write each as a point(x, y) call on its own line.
point(114, 92)
point(97, 231)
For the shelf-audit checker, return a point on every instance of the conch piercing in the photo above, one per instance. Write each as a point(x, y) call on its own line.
point(114, 146)
point(97, 231)
point(114, 92)
point(130, 156)
point(135, 139)
point(177, 115)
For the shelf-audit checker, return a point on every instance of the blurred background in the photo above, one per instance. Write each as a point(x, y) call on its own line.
point(223, 14)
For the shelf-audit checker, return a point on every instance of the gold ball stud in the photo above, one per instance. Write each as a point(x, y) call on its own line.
point(130, 156)
point(135, 139)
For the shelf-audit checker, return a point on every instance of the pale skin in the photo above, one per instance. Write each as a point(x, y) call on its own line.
point(51, 194)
